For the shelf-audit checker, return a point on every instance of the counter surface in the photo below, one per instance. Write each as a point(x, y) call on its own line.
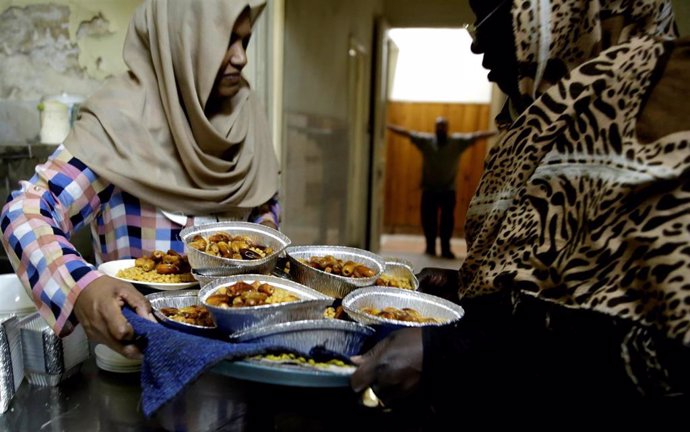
point(96, 400)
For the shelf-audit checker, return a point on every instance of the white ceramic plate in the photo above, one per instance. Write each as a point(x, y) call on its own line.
point(107, 355)
point(112, 267)
point(117, 369)
point(112, 361)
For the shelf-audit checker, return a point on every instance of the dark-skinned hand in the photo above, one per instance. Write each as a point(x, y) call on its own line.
point(392, 368)
point(99, 310)
point(439, 282)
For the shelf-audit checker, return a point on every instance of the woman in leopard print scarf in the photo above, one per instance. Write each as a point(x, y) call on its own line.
point(577, 279)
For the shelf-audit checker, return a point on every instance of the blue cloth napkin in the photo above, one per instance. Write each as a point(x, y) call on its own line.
point(173, 359)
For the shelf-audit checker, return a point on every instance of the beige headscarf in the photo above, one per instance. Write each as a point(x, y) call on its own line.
point(146, 132)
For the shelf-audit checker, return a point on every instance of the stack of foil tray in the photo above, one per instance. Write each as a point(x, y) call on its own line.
point(49, 359)
point(11, 366)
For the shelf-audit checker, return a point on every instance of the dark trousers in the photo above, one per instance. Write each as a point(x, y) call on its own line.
point(432, 203)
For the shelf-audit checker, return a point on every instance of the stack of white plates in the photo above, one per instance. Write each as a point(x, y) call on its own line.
point(112, 361)
point(14, 300)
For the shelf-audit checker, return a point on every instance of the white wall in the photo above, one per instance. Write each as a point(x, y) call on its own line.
point(436, 65)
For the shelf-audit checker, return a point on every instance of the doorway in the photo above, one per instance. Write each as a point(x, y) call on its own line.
point(426, 73)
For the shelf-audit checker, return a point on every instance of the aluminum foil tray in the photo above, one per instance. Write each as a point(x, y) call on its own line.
point(178, 299)
point(400, 268)
point(49, 359)
point(51, 380)
point(209, 274)
point(230, 320)
point(342, 337)
point(258, 233)
point(333, 285)
point(11, 365)
point(380, 297)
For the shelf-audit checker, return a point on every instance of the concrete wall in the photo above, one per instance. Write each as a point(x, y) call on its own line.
point(427, 13)
point(318, 99)
point(316, 51)
point(50, 47)
point(682, 10)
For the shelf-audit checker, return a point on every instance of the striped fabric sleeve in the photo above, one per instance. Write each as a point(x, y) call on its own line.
point(269, 211)
point(63, 196)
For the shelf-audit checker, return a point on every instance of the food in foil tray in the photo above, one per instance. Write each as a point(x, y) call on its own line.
point(333, 265)
point(226, 245)
point(334, 312)
point(393, 281)
point(297, 360)
point(404, 314)
point(194, 314)
point(242, 294)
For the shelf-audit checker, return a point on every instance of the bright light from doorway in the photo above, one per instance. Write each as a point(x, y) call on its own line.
point(436, 65)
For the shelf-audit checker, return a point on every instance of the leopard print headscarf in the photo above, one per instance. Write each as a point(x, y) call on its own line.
point(555, 36)
point(572, 208)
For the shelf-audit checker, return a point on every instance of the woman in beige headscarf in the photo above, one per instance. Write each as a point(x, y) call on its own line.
point(179, 139)
point(576, 279)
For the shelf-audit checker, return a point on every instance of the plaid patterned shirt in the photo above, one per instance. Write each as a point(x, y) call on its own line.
point(64, 196)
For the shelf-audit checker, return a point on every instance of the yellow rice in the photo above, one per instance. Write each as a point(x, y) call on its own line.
point(138, 274)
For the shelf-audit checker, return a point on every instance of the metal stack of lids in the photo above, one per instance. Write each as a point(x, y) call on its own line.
point(11, 366)
point(49, 359)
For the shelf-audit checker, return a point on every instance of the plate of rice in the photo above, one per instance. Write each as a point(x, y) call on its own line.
point(125, 270)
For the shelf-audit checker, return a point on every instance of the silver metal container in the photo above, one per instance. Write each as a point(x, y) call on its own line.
point(258, 233)
point(209, 274)
point(178, 299)
point(230, 320)
point(381, 297)
point(400, 268)
point(342, 337)
point(333, 285)
point(49, 359)
point(11, 364)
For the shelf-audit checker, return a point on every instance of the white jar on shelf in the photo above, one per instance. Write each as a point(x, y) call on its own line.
point(57, 114)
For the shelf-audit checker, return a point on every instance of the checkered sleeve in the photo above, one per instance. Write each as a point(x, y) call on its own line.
point(269, 211)
point(63, 196)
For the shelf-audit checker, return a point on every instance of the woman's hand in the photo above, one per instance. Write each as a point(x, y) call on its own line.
point(99, 310)
point(393, 368)
point(439, 282)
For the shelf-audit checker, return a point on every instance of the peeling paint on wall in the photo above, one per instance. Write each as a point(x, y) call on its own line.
point(100, 50)
point(94, 29)
point(51, 46)
point(98, 26)
point(37, 51)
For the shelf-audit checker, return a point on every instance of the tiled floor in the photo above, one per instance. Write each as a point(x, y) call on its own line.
point(411, 248)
